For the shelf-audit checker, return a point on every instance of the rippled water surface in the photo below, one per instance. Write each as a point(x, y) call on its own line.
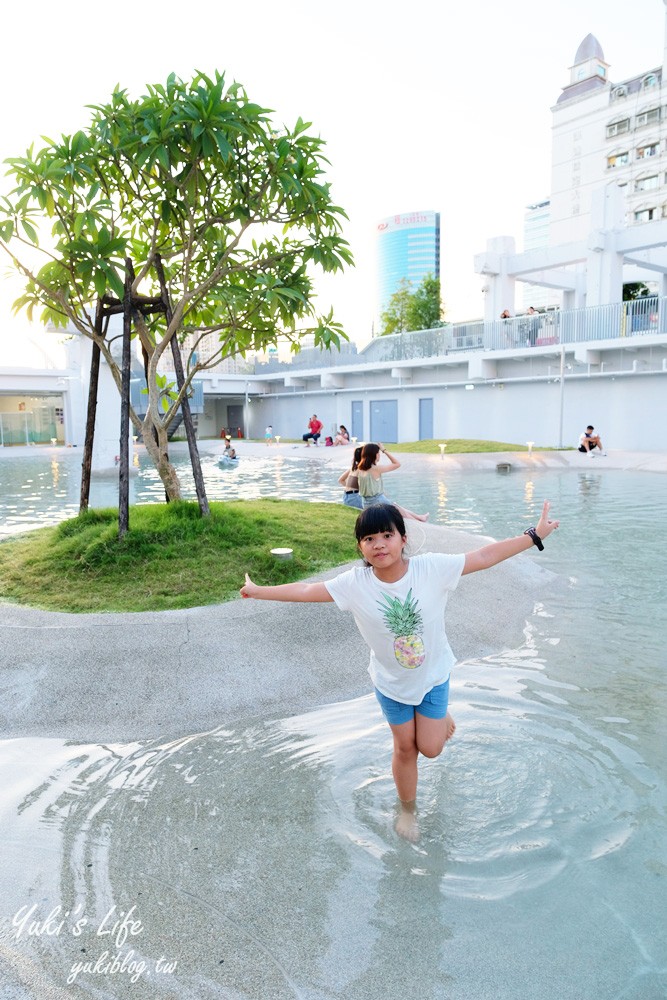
point(262, 856)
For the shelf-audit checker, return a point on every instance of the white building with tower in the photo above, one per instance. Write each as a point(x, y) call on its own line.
point(608, 203)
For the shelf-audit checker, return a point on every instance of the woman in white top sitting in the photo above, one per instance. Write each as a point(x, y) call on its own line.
point(370, 479)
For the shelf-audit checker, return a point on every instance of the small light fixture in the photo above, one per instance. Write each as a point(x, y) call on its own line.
point(277, 438)
point(353, 440)
point(282, 553)
point(530, 447)
point(469, 386)
point(442, 449)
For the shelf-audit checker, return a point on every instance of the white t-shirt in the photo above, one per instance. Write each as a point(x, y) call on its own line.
point(403, 623)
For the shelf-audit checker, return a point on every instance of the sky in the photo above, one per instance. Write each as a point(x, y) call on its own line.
point(423, 106)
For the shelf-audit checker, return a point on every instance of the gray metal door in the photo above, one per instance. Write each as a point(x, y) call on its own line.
point(235, 420)
point(425, 419)
point(357, 422)
point(384, 420)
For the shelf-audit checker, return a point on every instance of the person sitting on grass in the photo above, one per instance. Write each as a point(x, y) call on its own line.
point(398, 603)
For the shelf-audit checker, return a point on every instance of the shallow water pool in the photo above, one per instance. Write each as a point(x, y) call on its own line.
point(261, 856)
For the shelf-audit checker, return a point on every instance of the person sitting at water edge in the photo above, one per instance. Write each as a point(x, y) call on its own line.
point(398, 603)
point(589, 441)
point(314, 430)
point(343, 436)
point(370, 479)
point(350, 483)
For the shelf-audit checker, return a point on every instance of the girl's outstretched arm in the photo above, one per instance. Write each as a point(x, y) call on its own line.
point(393, 463)
point(300, 593)
point(496, 552)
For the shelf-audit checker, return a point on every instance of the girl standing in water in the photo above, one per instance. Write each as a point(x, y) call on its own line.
point(398, 603)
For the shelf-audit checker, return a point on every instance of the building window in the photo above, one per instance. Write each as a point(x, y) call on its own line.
point(664, 210)
point(618, 93)
point(652, 149)
point(649, 81)
point(645, 215)
point(617, 160)
point(616, 128)
point(647, 117)
point(647, 183)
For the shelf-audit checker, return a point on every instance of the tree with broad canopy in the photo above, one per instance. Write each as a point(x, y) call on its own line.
point(216, 215)
point(413, 308)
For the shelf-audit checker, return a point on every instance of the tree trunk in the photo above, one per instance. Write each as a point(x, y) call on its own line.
point(185, 404)
point(87, 461)
point(160, 459)
point(124, 450)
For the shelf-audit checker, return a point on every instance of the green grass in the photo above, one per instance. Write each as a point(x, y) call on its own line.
point(171, 557)
point(461, 446)
point(455, 446)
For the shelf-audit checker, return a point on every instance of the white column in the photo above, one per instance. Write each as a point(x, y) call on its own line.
point(604, 265)
point(498, 285)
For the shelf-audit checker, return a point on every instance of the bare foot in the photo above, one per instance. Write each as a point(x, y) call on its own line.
point(421, 517)
point(406, 825)
point(450, 727)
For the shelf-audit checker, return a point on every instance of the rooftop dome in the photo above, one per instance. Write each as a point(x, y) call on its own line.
point(590, 48)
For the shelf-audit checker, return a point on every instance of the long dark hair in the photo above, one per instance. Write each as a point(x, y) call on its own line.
point(369, 453)
point(378, 518)
point(356, 457)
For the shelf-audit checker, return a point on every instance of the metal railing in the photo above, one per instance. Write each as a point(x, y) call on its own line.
point(572, 326)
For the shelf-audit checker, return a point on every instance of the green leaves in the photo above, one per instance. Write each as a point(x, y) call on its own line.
point(239, 210)
point(418, 309)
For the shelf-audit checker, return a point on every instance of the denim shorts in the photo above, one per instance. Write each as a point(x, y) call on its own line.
point(378, 498)
point(433, 705)
point(353, 500)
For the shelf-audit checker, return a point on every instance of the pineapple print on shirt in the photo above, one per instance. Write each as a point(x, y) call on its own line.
point(404, 621)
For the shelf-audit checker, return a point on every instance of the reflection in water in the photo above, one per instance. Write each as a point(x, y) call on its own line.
point(266, 853)
point(262, 857)
point(589, 484)
point(442, 499)
point(528, 491)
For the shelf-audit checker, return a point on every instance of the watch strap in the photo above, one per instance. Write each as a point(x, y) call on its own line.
point(535, 537)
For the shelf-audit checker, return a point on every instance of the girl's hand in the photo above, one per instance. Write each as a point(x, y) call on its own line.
point(544, 526)
point(249, 589)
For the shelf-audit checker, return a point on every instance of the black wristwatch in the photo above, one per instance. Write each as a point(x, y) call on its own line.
point(535, 537)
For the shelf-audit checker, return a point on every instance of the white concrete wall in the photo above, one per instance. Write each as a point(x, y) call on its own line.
point(515, 413)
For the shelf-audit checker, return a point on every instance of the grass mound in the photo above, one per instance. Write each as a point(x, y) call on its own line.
point(172, 557)
point(460, 446)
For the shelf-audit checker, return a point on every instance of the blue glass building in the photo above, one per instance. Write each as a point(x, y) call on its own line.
point(408, 247)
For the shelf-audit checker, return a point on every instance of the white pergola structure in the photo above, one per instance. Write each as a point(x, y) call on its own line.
point(589, 272)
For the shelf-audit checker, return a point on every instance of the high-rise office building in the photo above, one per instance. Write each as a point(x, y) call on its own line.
point(536, 228)
point(408, 248)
